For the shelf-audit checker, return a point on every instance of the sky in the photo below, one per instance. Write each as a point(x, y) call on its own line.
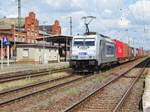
point(125, 20)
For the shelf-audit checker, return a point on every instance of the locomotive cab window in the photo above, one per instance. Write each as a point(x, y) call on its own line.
point(84, 42)
point(89, 42)
point(78, 42)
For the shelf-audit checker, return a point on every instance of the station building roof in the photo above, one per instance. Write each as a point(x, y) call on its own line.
point(36, 46)
point(44, 33)
point(57, 38)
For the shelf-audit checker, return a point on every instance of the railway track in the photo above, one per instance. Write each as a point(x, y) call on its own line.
point(27, 74)
point(110, 96)
point(127, 92)
point(16, 91)
point(7, 97)
point(9, 78)
point(15, 96)
point(120, 105)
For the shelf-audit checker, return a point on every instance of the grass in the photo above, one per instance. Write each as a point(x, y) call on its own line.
point(28, 80)
point(71, 91)
point(43, 105)
point(141, 91)
point(8, 110)
point(106, 72)
point(49, 68)
point(98, 79)
point(59, 67)
point(15, 84)
point(142, 80)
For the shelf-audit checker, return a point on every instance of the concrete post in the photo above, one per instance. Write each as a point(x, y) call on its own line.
point(7, 55)
point(1, 53)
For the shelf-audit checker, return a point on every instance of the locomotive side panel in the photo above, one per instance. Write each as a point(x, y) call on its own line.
point(108, 52)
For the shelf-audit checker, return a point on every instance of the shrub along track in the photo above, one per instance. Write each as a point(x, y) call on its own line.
point(41, 92)
point(111, 95)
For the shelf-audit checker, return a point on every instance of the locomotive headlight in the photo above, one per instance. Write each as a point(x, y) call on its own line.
point(91, 57)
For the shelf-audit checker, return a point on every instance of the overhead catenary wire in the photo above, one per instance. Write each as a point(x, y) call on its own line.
point(123, 16)
point(143, 16)
point(134, 18)
point(144, 25)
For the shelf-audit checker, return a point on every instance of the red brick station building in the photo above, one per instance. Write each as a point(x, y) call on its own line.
point(28, 33)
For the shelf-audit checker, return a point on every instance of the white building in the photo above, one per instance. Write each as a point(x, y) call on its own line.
point(36, 54)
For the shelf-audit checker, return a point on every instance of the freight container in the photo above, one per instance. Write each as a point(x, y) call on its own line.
point(139, 52)
point(119, 49)
point(130, 52)
point(142, 53)
point(135, 52)
point(125, 50)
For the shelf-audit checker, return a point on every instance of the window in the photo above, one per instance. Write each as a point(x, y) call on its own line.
point(25, 52)
point(78, 42)
point(89, 42)
point(110, 49)
point(84, 42)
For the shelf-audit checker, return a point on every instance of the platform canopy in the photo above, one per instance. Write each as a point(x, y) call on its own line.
point(56, 39)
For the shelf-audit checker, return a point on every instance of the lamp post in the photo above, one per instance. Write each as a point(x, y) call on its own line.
point(19, 17)
point(67, 40)
point(44, 29)
point(15, 51)
point(70, 25)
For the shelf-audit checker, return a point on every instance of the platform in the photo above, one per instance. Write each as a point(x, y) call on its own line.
point(146, 95)
point(24, 67)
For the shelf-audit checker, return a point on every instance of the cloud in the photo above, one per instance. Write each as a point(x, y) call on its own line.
point(12, 16)
point(62, 5)
point(140, 12)
point(119, 19)
point(123, 22)
point(106, 13)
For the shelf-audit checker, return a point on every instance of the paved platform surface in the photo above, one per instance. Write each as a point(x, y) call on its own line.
point(146, 95)
point(24, 67)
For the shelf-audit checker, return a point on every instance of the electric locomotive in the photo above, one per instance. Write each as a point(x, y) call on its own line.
point(90, 52)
